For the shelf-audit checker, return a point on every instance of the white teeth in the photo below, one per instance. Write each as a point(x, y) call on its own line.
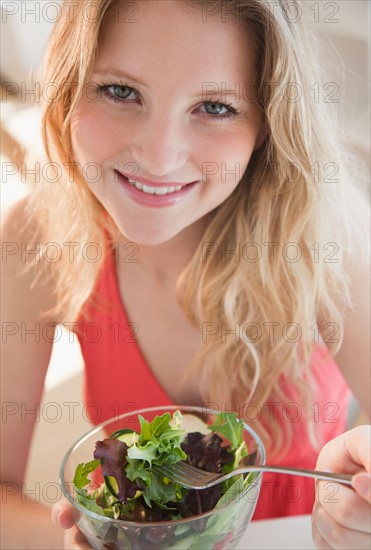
point(154, 190)
point(136, 184)
point(161, 191)
point(147, 189)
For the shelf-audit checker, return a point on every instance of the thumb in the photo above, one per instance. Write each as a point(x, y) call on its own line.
point(362, 485)
point(62, 514)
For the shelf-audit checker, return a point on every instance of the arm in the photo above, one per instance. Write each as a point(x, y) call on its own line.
point(354, 357)
point(345, 521)
point(24, 360)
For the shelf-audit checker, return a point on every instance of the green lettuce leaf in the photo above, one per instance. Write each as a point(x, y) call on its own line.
point(81, 474)
point(158, 443)
point(231, 427)
point(80, 480)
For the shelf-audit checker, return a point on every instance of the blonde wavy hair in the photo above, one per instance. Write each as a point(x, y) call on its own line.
point(286, 195)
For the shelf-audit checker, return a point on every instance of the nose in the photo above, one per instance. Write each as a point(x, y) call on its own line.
point(159, 146)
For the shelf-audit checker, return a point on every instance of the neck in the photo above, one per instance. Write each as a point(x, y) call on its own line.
point(164, 262)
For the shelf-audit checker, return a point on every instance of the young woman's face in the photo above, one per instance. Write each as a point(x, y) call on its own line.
point(152, 121)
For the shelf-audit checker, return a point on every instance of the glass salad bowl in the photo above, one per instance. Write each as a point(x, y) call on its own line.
point(218, 528)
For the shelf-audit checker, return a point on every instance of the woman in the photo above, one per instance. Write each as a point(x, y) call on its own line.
point(204, 223)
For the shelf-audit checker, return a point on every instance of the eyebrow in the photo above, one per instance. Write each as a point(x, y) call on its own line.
point(212, 93)
point(132, 78)
point(120, 74)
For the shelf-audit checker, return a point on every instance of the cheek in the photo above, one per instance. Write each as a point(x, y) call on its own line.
point(225, 156)
point(95, 137)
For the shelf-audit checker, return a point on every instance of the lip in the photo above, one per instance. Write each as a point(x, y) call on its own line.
point(154, 201)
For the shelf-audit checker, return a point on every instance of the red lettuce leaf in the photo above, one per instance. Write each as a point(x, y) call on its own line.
point(206, 451)
point(113, 456)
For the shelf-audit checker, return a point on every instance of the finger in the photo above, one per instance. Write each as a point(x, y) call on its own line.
point(318, 540)
point(62, 514)
point(344, 505)
point(75, 540)
point(362, 484)
point(337, 536)
point(349, 452)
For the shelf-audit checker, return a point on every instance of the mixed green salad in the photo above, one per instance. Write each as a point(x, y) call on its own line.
point(122, 482)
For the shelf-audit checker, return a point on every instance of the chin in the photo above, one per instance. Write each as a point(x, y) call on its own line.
point(145, 236)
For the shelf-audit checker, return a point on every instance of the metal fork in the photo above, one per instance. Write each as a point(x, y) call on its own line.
point(193, 478)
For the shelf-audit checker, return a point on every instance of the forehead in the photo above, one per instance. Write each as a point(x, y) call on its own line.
point(169, 37)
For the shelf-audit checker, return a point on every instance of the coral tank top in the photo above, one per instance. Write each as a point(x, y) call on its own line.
point(118, 380)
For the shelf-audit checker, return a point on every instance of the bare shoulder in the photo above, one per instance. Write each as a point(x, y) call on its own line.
point(24, 273)
point(16, 227)
point(16, 223)
point(359, 231)
point(357, 255)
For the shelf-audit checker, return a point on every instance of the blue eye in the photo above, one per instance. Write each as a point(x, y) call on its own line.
point(216, 107)
point(117, 92)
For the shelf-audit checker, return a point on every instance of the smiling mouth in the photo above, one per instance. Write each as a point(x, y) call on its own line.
point(154, 190)
point(160, 189)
